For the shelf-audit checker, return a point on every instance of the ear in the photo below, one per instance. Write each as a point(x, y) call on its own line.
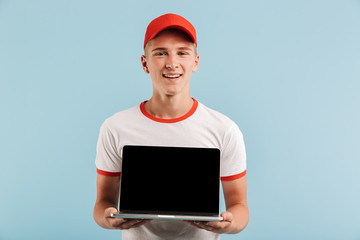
point(196, 63)
point(144, 64)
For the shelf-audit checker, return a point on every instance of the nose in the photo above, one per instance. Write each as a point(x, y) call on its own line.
point(171, 62)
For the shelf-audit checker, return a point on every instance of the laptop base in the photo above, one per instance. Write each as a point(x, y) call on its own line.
point(174, 217)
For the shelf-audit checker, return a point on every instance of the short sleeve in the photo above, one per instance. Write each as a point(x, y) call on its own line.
point(108, 160)
point(233, 155)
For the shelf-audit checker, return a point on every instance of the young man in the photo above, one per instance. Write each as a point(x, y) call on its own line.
point(173, 118)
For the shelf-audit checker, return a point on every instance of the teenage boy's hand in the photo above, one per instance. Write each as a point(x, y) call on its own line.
point(216, 227)
point(121, 223)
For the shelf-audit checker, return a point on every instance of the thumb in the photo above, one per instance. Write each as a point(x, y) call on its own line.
point(109, 211)
point(227, 216)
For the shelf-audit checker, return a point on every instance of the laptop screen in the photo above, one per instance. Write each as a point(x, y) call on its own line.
point(170, 180)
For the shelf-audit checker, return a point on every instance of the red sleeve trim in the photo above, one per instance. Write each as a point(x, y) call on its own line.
point(109, 174)
point(179, 119)
point(233, 177)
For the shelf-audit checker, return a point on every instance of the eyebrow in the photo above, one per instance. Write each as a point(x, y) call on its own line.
point(158, 49)
point(185, 48)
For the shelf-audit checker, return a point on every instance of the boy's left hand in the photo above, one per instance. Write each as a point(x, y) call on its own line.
point(216, 227)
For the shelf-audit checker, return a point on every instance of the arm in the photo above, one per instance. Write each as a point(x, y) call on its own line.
point(236, 216)
point(107, 202)
point(235, 194)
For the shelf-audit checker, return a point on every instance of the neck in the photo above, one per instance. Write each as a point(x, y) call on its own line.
point(169, 107)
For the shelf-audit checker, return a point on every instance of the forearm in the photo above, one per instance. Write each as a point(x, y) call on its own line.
point(106, 199)
point(240, 214)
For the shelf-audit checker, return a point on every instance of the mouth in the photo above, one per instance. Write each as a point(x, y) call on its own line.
point(172, 76)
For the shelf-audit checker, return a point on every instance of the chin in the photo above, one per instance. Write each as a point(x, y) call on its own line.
point(172, 91)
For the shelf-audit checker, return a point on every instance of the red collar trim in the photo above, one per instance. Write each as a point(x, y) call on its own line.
point(174, 120)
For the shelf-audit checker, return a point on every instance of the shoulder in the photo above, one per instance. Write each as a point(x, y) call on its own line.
point(122, 117)
point(215, 118)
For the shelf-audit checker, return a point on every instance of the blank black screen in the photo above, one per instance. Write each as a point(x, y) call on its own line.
point(170, 180)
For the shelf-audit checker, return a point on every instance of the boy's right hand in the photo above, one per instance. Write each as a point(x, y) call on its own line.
point(122, 223)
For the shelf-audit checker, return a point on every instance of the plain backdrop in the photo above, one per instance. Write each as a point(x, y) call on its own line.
point(287, 72)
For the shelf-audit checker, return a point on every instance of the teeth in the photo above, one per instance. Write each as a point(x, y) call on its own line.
point(172, 76)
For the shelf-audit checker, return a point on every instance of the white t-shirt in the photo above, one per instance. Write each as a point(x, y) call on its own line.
point(200, 127)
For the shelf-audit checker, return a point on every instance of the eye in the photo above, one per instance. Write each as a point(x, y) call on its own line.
point(160, 53)
point(183, 53)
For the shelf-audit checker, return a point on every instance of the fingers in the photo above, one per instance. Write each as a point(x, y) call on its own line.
point(122, 224)
point(203, 225)
point(133, 223)
point(216, 226)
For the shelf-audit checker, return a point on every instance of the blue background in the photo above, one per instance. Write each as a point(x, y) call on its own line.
point(287, 72)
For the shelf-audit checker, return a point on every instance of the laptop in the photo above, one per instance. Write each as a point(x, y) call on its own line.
point(160, 182)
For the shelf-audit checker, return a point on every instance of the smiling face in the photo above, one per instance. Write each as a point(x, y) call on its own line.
point(170, 59)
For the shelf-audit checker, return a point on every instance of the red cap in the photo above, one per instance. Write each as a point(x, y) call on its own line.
point(168, 21)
